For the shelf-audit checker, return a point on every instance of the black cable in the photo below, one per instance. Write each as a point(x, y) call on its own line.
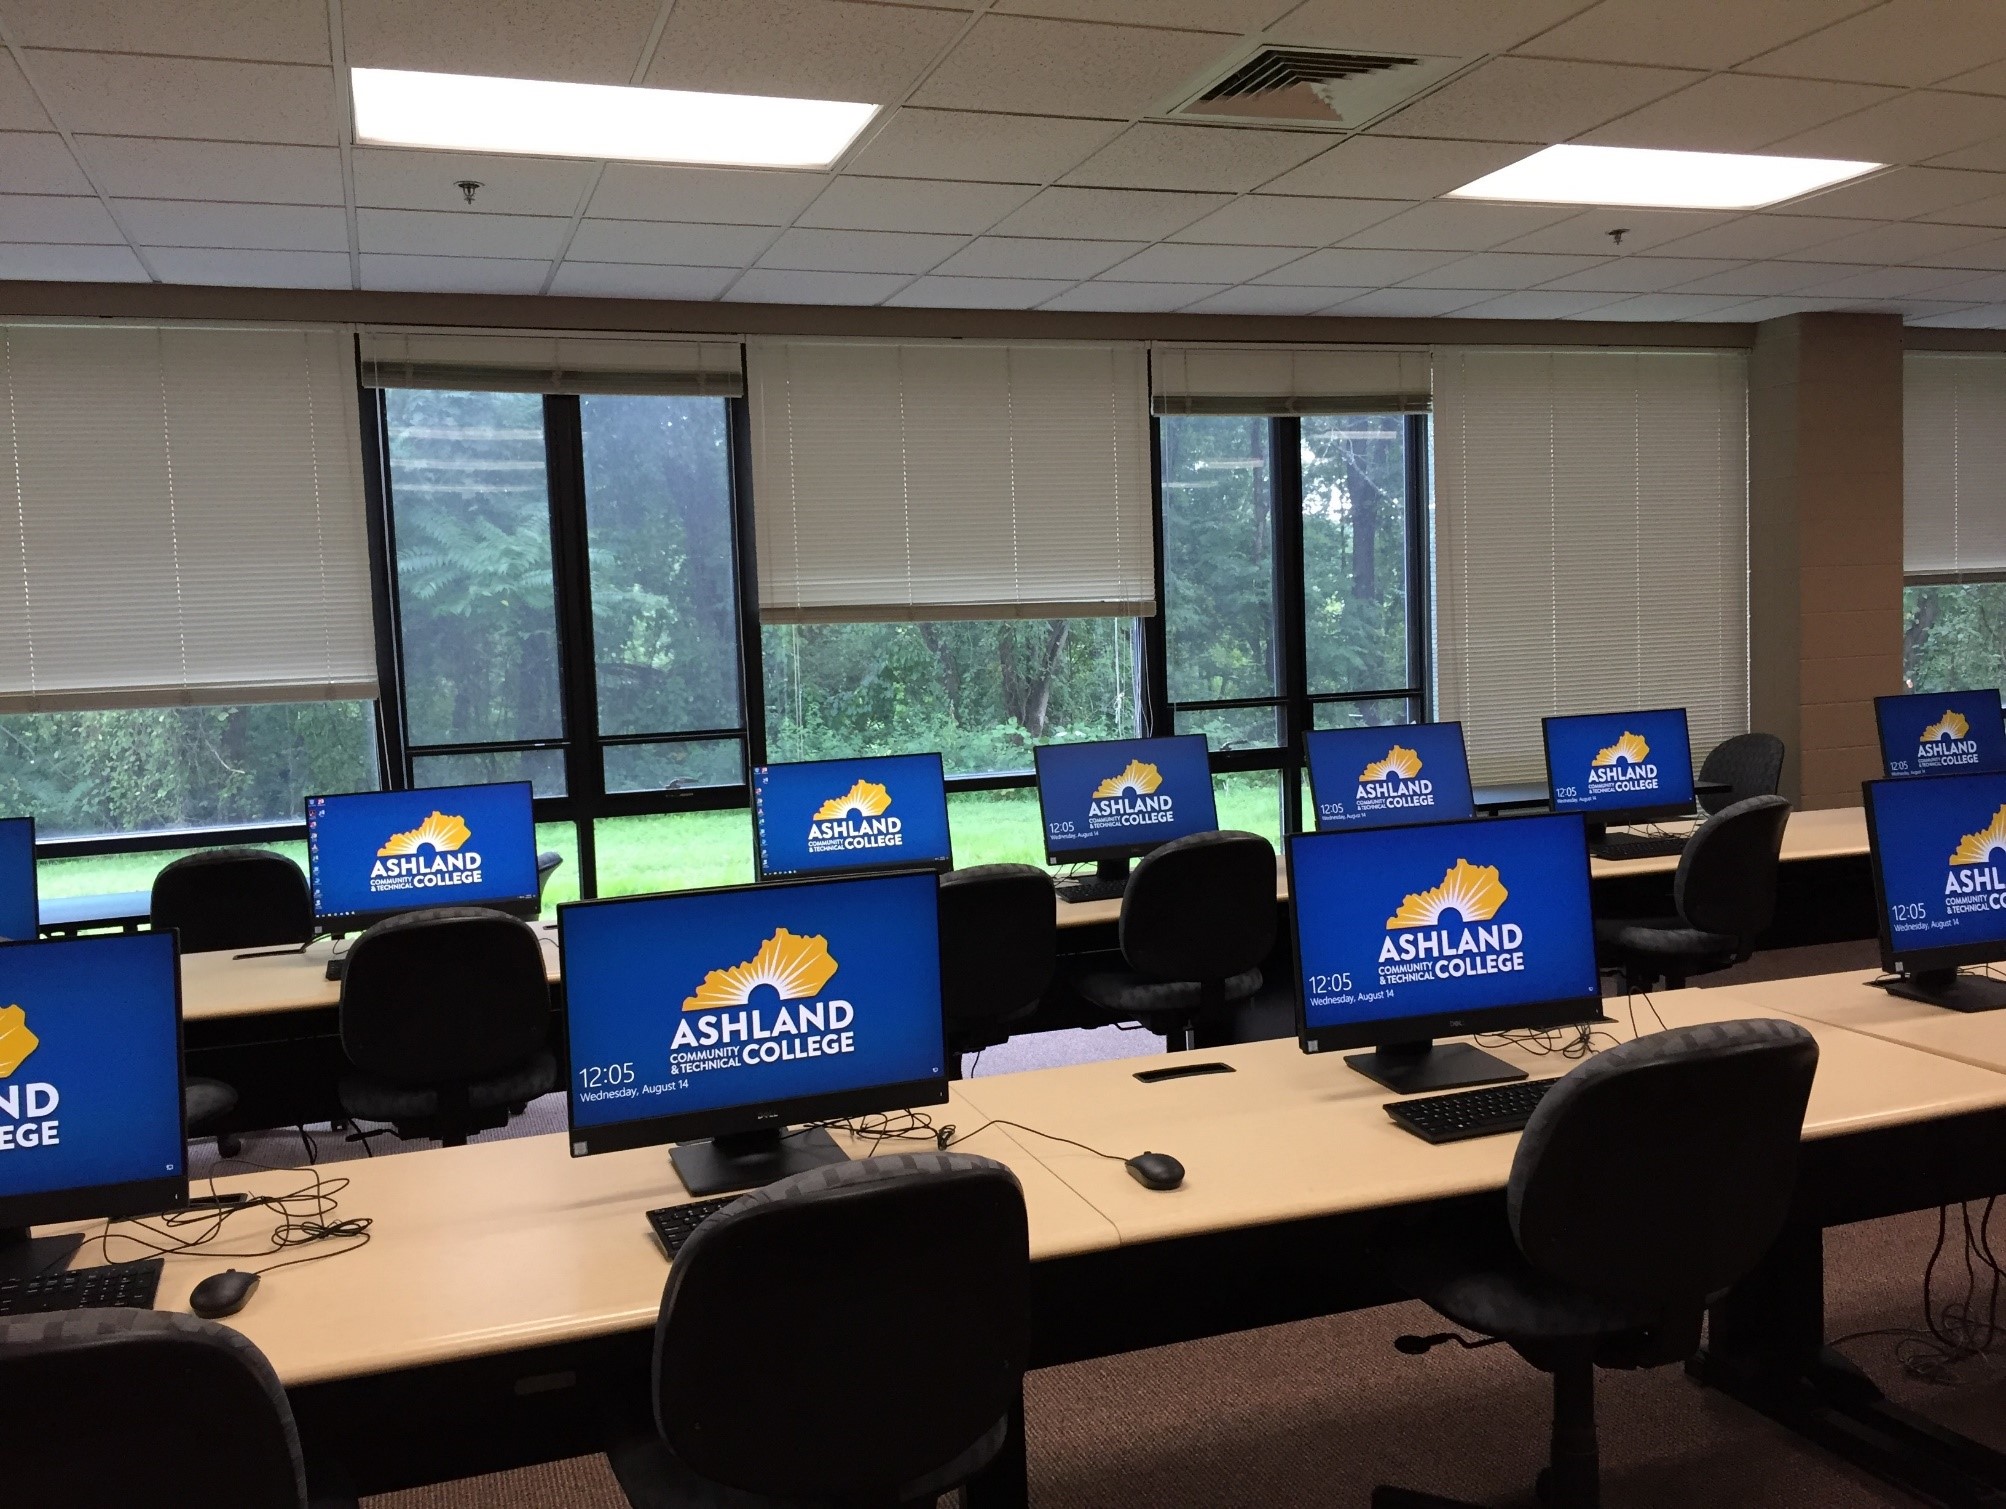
point(947, 1137)
point(305, 1216)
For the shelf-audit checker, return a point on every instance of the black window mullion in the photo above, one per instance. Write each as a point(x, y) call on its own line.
point(1157, 715)
point(584, 774)
point(751, 648)
point(1285, 448)
point(1420, 573)
point(393, 757)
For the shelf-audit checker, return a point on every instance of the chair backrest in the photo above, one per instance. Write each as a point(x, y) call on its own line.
point(999, 936)
point(1727, 875)
point(1663, 1169)
point(232, 898)
point(106, 1409)
point(547, 861)
point(445, 996)
point(1750, 764)
point(1201, 908)
point(912, 1266)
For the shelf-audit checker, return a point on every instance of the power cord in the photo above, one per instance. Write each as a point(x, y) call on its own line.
point(918, 1126)
point(306, 1216)
point(1960, 1341)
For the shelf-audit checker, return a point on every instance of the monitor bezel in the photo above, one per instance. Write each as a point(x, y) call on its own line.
point(1137, 848)
point(1881, 730)
point(1469, 786)
point(34, 881)
point(939, 866)
point(1529, 1016)
point(730, 1121)
point(135, 1197)
point(338, 923)
point(1617, 817)
point(1918, 961)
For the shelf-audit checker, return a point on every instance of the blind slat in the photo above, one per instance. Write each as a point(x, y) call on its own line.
point(1953, 464)
point(1288, 380)
point(474, 362)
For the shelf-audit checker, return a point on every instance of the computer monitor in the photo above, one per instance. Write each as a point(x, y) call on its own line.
point(1938, 845)
point(833, 817)
point(1620, 767)
point(374, 854)
point(1113, 799)
point(1941, 733)
point(20, 906)
point(717, 1019)
point(1376, 777)
point(90, 1088)
point(1410, 933)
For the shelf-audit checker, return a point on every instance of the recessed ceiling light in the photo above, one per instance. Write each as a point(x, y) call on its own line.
point(471, 113)
point(1649, 178)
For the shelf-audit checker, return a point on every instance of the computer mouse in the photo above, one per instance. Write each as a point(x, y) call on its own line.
point(222, 1294)
point(1156, 1170)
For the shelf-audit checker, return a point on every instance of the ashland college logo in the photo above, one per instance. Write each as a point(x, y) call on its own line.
point(1392, 782)
point(1623, 766)
point(722, 1029)
point(1946, 744)
point(1447, 931)
point(1129, 799)
point(429, 856)
point(855, 820)
point(1973, 882)
point(27, 1110)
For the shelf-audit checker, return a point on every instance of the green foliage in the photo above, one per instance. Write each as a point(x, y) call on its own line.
point(1954, 636)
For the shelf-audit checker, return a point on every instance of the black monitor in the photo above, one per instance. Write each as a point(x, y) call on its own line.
point(850, 817)
point(717, 1019)
point(376, 854)
point(1397, 773)
point(1939, 855)
point(1617, 768)
point(1941, 733)
point(90, 1089)
point(1406, 934)
point(1113, 799)
point(20, 905)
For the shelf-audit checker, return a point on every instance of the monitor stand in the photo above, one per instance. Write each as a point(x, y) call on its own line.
point(23, 1256)
point(747, 1160)
point(1411, 1068)
point(1949, 988)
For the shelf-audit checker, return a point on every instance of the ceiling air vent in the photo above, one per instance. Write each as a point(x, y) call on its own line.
point(1317, 86)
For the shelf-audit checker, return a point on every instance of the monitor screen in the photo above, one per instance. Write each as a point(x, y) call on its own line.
point(1939, 855)
point(90, 1078)
point(1617, 765)
point(1941, 733)
point(1123, 796)
point(1375, 777)
point(20, 911)
point(1408, 933)
point(374, 854)
point(706, 1013)
point(833, 816)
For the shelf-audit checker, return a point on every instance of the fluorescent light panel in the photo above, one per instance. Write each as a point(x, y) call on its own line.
point(537, 117)
point(1649, 178)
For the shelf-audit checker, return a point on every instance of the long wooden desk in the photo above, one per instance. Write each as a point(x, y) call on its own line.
point(1847, 1000)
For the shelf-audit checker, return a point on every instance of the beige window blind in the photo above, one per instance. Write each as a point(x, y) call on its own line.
point(1287, 380)
point(1954, 465)
point(550, 362)
point(181, 518)
point(1591, 543)
point(950, 480)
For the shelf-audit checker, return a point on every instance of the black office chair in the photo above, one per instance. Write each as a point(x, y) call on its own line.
point(445, 1016)
point(106, 1409)
point(1197, 919)
point(755, 1338)
point(1750, 764)
point(1725, 894)
point(547, 862)
point(1650, 1180)
point(999, 935)
point(232, 898)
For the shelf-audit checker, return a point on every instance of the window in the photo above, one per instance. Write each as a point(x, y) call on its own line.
point(1953, 635)
point(1361, 637)
point(1953, 520)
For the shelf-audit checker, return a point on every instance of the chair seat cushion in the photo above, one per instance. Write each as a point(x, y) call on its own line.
point(380, 1100)
point(1661, 938)
point(205, 1099)
point(1128, 996)
point(1488, 1286)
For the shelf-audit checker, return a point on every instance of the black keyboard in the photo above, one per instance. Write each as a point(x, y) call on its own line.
point(674, 1223)
point(1639, 848)
point(114, 1286)
point(1471, 1113)
point(1092, 889)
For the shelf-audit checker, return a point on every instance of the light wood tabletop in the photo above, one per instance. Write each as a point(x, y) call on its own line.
point(1847, 1000)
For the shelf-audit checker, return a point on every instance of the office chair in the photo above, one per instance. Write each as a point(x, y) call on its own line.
point(1751, 764)
point(1197, 919)
point(547, 861)
point(750, 1408)
point(106, 1409)
point(232, 898)
point(1651, 1179)
point(999, 935)
point(1725, 895)
point(445, 1018)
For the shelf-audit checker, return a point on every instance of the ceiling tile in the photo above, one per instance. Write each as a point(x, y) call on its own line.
point(1195, 15)
point(71, 264)
point(1283, 220)
point(1986, 156)
point(1139, 298)
point(1667, 306)
point(1736, 112)
point(1410, 303)
point(124, 94)
point(56, 217)
point(626, 280)
point(1589, 231)
point(978, 293)
point(1692, 34)
point(913, 204)
point(392, 179)
point(663, 243)
point(1534, 100)
point(234, 268)
point(969, 144)
point(1156, 155)
point(1538, 305)
point(598, 43)
point(1260, 299)
point(1641, 274)
point(1167, 262)
point(19, 110)
point(1461, 28)
point(274, 31)
point(1396, 167)
point(1342, 268)
point(1904, 42)
point(38, 163)
point(1450, 225)
point(1749, 236)
point(858, 251)
point(1989, 255)
point(1908, 128)
point(1034, 257)
point(764, 286)
point(1991, 79)
point(1976, 290)
point(1905, 241)
point(1502, 270)
point(1903, 192)
point(1130, 214)
point(129, 167)
point(1757, 310)
point(644, 191)
point(265, 227)
point(453, 274)
point(1990, 211)
point(469, 233)
point(1066, 67)
point(809, 49)
point(1891, 282)
point(1765, 278)
point(1912, 309)
point(1984, 317)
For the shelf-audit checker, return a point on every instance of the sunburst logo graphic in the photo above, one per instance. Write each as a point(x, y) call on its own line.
point(1630, 747)
point(16, 1041)
point(796, 967)
point(1473, 892)
point(865, 799)
point(1139, 779)
point(1976, 848)
point(1400, 763)
point(441, 832)
point(1952, 726)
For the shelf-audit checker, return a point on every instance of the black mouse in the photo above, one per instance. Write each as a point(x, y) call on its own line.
point(1156, 1170)
point(222, 1294)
